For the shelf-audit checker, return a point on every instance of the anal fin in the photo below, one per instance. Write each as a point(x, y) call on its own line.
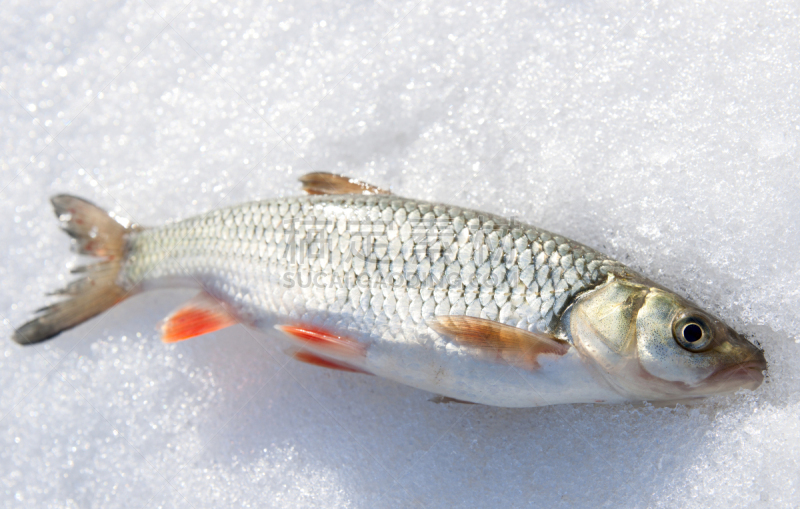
point(201, 315)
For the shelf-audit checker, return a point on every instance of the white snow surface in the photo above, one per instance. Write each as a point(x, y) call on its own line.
point(664, 133)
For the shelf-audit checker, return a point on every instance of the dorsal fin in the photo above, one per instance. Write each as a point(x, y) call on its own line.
point(498, 341)
point(330, 183)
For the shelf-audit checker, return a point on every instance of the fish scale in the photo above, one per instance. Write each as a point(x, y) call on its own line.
point(303, 249)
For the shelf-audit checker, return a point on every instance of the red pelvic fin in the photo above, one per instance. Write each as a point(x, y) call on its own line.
point(323, 340)
point(316, 360)
point(448, 399)
point(201, 315)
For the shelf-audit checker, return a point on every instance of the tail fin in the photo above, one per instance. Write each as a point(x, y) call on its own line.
point(96, 233)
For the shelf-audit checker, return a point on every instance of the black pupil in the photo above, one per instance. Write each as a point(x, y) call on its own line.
point(692, 332)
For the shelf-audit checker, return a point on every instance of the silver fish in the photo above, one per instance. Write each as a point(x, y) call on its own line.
point(467, 305)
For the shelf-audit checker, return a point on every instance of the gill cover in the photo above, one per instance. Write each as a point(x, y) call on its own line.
point(650, 344)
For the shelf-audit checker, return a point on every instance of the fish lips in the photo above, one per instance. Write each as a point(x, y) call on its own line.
point(746, 375)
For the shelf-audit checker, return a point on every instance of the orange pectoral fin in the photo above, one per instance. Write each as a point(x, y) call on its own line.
point(498, 341)
point(201, 315)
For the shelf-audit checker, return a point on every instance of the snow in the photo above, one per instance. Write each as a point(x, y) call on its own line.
point(664, 133)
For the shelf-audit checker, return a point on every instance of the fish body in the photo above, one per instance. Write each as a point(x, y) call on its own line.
point(461, 303)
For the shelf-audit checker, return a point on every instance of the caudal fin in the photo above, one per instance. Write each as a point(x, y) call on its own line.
point(95, 233)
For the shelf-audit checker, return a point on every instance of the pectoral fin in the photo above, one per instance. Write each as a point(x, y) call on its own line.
point(498, 341)
point(201, 315)
point(330, 183)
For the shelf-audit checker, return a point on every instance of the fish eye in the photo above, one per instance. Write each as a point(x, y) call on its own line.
point(691, 332)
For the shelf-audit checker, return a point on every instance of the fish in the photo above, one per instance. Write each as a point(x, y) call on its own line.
point(467, 305)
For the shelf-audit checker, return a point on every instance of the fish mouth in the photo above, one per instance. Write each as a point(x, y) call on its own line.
point(746, 375)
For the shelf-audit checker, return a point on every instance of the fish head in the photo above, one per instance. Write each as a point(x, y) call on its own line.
point(651, 344)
